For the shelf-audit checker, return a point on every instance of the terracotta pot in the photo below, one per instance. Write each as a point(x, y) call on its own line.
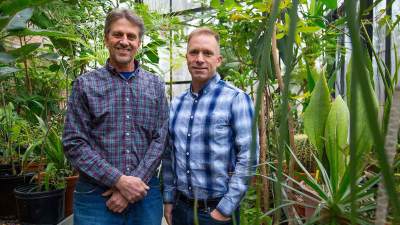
point(69, 194)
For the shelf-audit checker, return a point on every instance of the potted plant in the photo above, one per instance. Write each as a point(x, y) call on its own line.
point(53, 187)
point(13, 131)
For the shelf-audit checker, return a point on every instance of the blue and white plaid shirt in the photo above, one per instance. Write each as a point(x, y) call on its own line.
point(209, 146)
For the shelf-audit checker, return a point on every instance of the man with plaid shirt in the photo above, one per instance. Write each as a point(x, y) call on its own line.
point(115, 131)
point(207, 163)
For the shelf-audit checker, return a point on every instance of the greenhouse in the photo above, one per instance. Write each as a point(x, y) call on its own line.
point(253, 112)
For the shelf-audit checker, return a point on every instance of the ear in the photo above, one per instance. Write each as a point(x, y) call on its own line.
point(106, 41)
point(219, 60)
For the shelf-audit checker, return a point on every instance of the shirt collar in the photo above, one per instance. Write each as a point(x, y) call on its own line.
point(113, 71)
point(207, 87)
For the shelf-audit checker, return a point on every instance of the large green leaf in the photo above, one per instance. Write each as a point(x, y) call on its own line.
point(6, 72)
point(18, 22)
point(10, 7)
point(47, 33)
point(316, 114)
point(215, 3)
point(24, 50)
point(336, 135)
point(6, 58)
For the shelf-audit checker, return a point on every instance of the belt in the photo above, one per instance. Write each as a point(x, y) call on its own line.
point(201, 203)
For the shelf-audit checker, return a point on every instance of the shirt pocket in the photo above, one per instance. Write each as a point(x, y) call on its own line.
point(220, 127)
point(147, 110)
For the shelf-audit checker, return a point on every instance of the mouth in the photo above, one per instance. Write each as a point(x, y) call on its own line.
point(199, 68)
point(123, 50)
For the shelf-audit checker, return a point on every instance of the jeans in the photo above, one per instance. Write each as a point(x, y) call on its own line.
point(90, 207)
point(183, 214)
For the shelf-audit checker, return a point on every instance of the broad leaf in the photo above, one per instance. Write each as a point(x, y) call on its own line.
point(332, 4)
point(6, 58)
point(316, 114)
point(6, 72)
point(18, 22)
point(24, 50)
point(215, 3)
point(336, 135)
point(47, 33)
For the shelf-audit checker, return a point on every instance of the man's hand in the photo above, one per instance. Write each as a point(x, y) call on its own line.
point(116, 203)
point(132, 188)
point(168, 213)
point(216, 215)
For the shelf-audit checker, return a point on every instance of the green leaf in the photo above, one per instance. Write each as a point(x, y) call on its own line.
point(332, 4)
point(24, 50)
point(336, 134)
point(10, 7)
point(6, 58)
point(316, 114)
point(308, 29)
point(18, 22)
point(229, 4)
point(215, 3)
point(50, 56)
point(261, 6)
point(47, 33)
point(4, 21)
point(7, 70)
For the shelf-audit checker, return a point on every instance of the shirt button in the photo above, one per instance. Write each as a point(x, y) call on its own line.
point(188, 134)
point(190, 188)
point(191, 117)
point(187, 171)
point(127, 134)
point(127, 99)
point(127, 151)
point(187, 153)
point(127, 116)
point(195, 101)
point(127, 169)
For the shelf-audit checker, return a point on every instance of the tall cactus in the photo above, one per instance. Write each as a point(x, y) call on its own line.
point(390, 149)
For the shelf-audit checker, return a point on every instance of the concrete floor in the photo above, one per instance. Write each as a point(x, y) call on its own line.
point(69, 221)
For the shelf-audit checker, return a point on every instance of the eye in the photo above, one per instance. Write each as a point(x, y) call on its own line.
point(117, 34)
point(132, 37)
point(208, 53)
point(193, 52)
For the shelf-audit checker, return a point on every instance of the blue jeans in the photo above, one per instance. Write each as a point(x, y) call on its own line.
point(183, 214)
point(90, 207)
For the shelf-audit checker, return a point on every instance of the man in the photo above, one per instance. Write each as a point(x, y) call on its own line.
point(208, 160)
point(115, 132)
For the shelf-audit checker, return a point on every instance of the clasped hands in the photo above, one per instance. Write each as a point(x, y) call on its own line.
point(128, 189)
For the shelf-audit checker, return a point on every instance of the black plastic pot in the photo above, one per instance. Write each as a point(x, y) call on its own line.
point(8, 207)
point(34, 207)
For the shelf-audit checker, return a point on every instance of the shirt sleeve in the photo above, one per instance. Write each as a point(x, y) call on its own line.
point(169, 188)
point(76, 140)
point(242, 119)
point(152, 159)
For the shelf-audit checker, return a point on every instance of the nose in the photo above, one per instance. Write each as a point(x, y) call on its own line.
point(124, 40)
point(200, 58)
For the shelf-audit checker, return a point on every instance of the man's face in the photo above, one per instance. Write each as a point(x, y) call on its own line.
point(122, 42)
point(202, 57)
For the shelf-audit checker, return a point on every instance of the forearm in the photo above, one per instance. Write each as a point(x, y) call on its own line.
point(89, 162)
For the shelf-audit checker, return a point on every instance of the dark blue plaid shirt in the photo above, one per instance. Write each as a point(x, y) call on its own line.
point(116, 126)
point(210, 139)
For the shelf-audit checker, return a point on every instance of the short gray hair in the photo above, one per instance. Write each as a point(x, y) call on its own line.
point(122, 13)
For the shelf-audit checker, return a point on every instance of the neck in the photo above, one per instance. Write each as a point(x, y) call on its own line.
point(129, 67)
point(197, 86)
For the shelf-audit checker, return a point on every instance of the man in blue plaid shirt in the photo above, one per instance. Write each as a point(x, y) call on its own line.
point(115, 132)
point(207, 163)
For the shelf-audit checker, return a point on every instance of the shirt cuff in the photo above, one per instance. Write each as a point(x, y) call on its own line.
point(111, 176)
point(226, 207)
point(169, 197)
